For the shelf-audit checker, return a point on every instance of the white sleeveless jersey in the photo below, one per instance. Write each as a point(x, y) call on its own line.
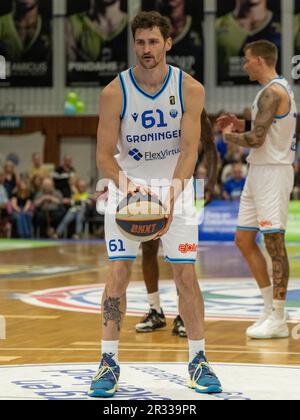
point(149, 142)
point(280, 145)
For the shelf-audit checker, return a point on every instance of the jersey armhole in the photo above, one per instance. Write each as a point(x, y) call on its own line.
point(181, 91)
point(281, 117)
point(124, 94)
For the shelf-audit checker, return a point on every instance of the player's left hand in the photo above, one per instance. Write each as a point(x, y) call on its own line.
point(169, 211)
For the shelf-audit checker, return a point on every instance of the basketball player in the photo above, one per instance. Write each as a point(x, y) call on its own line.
point(250, 21)
point(265, 200)
point(155, 318)
point(160, 122)
point(25, 35)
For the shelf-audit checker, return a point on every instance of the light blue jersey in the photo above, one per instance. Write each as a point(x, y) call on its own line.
point(149, 143)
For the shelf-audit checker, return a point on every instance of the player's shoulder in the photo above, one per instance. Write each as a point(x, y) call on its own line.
point(276, 89)
point(112, 90)
point(192, 86)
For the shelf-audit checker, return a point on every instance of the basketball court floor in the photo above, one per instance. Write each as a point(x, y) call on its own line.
point(49, 299)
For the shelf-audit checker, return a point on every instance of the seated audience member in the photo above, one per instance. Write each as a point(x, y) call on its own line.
point(10, 178)
point(62, 175)
point(233, 188)
point(22, 211)
point(4, 218)
point(37, 167)
point(77, 212)
point(200, 177)
point(36, 185)
point(49, 209)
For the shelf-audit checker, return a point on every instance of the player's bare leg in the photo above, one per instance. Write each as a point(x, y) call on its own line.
point(105, 383)
point(191, 308)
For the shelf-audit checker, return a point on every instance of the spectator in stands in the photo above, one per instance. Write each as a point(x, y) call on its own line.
point(221, 146)
point(4, 219)
point(233, 188)
point(11, 178)
point(36, 185)
point(49, 209)
point(200, 178)
point(62, 175)
point(77, 212)
point(37, 167)
point(22, 211)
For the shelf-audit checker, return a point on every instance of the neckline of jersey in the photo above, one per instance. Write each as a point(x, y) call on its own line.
point(159, 92)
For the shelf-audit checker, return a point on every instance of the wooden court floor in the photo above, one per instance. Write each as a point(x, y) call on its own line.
point(37, 335)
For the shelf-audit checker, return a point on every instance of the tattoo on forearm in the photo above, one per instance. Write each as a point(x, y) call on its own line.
point(112, 312)
point(210, 151)
point(281, 270)
point(268, 104)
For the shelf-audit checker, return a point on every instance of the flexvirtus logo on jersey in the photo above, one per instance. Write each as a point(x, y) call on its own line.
point(162, 155)
point(2, 68)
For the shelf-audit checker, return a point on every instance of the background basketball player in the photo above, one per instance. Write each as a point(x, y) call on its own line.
point(155, 318)
point(265, 200)
point(163, 100)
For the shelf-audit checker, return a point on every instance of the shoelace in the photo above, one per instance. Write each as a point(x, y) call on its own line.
point(149, 316)
point(199, 370)
point(102, 372)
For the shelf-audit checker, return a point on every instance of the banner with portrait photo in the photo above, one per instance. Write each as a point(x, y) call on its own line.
point(297, 39)
point(187, 32)
point(238, 23)
point(96, 41)
point(26, 42)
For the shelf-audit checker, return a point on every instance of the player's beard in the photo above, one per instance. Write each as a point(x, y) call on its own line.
point(154, 63)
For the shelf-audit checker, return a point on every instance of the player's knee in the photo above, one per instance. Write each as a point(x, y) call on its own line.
point(275, 244)
point(121, 271)
point(185, 279)
point(243, 242)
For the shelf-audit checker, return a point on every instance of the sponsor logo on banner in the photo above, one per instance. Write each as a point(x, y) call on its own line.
point(236, 300)
point(143, 381)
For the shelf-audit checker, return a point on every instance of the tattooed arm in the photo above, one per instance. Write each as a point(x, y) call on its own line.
point(211, 156)
point(268, 105)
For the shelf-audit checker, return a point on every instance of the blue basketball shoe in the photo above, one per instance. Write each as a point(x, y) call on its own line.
point(202, 378)
point(105, 382)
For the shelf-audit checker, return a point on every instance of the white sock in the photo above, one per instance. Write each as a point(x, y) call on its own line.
point(267, 294)
point(111, 348)
point(279, 307)
point(154, 301)
point(195, 346)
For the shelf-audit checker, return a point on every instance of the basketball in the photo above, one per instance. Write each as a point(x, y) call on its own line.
point(140, 218)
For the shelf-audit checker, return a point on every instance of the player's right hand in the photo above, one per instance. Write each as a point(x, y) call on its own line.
point(229, 119)
point(142, 189)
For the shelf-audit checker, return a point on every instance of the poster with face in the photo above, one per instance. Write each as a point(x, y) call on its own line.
point(96, 41)
point(26, 42)
point(240, 22)
point(186, 18)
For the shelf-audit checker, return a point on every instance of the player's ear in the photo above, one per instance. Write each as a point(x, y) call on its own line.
point(169, 44)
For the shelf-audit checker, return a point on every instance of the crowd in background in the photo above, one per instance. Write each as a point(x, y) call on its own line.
point(43, 204)
point(57, 204)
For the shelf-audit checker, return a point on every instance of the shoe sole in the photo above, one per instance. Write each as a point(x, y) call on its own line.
point(213, 389)
point(149, 330)
point(177, 334)
point(102, 394)
point(269, 337)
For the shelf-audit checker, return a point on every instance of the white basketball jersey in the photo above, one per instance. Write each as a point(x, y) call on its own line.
point(149, 143)
point(280, 145)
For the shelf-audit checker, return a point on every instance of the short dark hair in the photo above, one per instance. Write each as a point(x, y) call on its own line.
point(265, 49)
point(149, 20)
